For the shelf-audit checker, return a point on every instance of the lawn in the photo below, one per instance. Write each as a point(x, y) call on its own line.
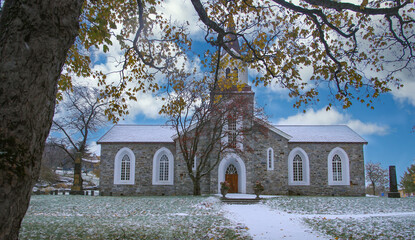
point(187, 217)
point(86, 217)
point(353, 217)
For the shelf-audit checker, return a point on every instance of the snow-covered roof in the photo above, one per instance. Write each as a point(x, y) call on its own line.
point(294, 133)
point(321, 133)
point(121, 133)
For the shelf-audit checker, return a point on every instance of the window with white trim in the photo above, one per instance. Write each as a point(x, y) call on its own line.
point(338, 167)
point(270, 159)
point(163, 164)
point(228, 73)
point(124, 167)
point(164, 168)
point(232, 134)
point(236, 74)
point(298, 167)
point(194, 163)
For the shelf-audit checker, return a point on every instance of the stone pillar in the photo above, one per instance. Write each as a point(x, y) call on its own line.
point(77, 177)
point(393, 184)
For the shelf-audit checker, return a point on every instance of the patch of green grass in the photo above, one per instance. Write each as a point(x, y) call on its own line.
point(83, 217)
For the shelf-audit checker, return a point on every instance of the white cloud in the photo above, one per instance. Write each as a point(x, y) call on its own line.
point(323, 117)
point(182, 11)
point(147, 105)
point(406, 93)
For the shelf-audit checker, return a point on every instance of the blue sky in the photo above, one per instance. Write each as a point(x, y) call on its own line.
point(387, 128)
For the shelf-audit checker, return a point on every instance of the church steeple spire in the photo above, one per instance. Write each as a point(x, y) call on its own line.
point(231, 39)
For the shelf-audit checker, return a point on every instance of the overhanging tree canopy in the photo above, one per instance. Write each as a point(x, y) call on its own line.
point(356, 50)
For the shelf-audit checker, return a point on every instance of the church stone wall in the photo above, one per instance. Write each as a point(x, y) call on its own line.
point(318, 162)
point(276, 181)
point(144, 153)
point(254, 157)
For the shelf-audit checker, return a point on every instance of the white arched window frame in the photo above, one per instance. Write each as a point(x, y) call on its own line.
point(270, 159)
point(163, 167)
point(294, 166)
point(124, 167)
point(233, 131)
point(194, 164)
point(338, 167)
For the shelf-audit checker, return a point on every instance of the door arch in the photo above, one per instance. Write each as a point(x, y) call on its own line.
point(239, 168)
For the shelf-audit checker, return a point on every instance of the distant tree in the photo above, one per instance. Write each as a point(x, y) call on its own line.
point(377, 176)
point(408, 180)
point(80, 113)
point(54, 157)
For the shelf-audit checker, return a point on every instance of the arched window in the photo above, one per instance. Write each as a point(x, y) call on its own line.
point(232, 133)
point(298, 167)
point(231, 169)
point(164, 168)
point(228, 73)
point(163, 164)
point(338, 167)
point(270, 159)
point(124, 167)
point(194, 163)
point(236, 74)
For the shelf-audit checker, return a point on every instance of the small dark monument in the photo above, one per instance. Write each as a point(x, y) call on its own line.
point(393, 185)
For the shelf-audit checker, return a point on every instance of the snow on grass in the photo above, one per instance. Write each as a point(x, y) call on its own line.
point(342, 205)
point(353, 217)
point(83, 217)
point(388, 227)
point(86, 217)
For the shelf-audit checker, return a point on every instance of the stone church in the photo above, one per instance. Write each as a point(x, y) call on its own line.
point(287, 159)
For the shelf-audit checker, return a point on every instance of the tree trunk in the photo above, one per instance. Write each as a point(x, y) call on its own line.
point(196, 187)
point(374, 190)
point(35, 36)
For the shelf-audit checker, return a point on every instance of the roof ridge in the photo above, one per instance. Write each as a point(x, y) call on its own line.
point(313, 125)
point(130, 124)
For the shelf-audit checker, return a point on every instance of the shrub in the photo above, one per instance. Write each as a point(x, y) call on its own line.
point(47, 175)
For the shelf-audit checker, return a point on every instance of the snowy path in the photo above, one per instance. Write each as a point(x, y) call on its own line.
point(264, 223)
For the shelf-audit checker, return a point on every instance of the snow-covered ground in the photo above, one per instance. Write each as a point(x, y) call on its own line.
point(264, 223)
point(325, 217)
point(188, 217)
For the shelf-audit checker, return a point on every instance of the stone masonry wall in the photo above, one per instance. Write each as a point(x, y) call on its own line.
point(255, 159)
point(318, 160)
point(144, 153)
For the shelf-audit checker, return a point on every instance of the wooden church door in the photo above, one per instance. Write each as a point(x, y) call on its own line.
point(231, 177)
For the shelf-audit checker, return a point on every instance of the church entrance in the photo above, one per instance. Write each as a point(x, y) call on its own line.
point(232, 170)
point(231, 176)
